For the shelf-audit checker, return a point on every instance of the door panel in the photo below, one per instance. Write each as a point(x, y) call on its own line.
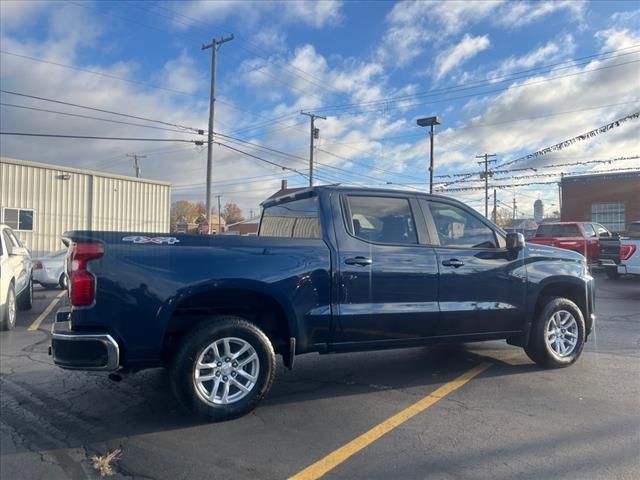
point(388, 281)
point(481, 288)
point(484, 294)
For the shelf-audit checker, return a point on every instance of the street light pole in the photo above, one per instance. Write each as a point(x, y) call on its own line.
point(430, 122)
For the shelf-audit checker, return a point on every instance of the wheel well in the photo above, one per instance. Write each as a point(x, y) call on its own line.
point(570, 291)
point(255, 307)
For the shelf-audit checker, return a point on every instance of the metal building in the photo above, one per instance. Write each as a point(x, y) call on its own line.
point(42, 201)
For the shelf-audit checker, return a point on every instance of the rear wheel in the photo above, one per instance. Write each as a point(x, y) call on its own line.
point(25, 299)
point(557, 335)
point(223, 369)
point(8, 320)
point(63, 282)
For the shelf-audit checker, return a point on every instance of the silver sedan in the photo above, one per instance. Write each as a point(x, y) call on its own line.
point(49, 271)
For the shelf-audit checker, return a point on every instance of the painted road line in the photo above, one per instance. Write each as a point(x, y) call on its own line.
point(36, 323)
point(335, 458)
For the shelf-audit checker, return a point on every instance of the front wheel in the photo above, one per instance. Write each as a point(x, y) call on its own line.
point(8, 320)
point(25, 299)
point(557, 334)
point(223, 368)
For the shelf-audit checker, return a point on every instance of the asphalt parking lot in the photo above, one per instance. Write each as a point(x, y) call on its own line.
point(510, 420)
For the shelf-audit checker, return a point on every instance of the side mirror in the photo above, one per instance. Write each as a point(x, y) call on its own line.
point(515, 242)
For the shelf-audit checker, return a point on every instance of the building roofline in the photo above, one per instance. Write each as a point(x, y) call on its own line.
point(65, 169)
point(596, 175)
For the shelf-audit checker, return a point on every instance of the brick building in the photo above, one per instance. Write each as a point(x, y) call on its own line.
point(612, 199)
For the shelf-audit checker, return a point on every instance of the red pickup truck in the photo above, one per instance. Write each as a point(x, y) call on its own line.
point(581, 237)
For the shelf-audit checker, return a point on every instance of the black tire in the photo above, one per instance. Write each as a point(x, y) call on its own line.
point(196, 343)
point(25, 299)
point(612, 273)
point(63, 282)
point(538, 348)
point(8, 321)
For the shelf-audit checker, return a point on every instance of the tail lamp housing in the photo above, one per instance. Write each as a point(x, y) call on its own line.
point(82, 283)
point(626, 251)
point(37, 265)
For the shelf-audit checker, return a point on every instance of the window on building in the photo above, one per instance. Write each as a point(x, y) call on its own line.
point(382, 219)
point(611, 215)
point(18, 218)
point(296, 219)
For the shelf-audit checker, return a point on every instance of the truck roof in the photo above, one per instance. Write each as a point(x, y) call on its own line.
point(299, 192)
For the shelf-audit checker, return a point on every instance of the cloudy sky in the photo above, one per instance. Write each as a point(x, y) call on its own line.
point(507, 78)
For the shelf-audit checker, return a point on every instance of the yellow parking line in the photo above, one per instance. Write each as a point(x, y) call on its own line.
point(36, 323)
point(338, 456)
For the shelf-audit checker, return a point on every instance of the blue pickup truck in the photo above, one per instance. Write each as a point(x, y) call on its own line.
point(332, 269)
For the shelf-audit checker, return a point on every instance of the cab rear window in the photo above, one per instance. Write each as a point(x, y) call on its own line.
point(295, 219)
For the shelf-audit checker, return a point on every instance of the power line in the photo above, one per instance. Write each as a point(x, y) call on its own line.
point(565, 143)
point(96, 137)
point(553, 182)
point(86, 107)
point(467, 86)
point(260, 158)
point(89, 117)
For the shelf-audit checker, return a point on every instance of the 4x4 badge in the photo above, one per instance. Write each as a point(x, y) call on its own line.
point(154, 240)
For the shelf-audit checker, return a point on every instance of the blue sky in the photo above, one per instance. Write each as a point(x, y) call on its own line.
point(371, 67)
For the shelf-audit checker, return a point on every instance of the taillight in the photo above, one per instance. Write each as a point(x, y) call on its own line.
point(82, 284)
point(37, 265)
point(626, 251)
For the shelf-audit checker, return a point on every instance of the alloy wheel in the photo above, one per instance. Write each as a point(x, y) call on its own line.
point(561, 333)
point(226, 371)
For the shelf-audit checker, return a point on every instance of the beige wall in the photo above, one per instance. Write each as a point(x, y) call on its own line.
point(86, 201)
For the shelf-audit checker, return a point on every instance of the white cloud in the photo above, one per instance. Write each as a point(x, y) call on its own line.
point(15, 14)
point(547, 53)
point(519, 13)
point(414, 26)
point(316, 14)
point(182, 74)
point(468, 48)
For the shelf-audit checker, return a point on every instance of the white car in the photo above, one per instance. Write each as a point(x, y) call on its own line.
point(16, 283)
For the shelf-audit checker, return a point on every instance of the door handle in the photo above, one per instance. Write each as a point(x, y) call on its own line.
point(362, 261)
point(453, 262)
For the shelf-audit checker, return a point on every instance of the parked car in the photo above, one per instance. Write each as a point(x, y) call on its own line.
point(49, 271)
point(581, 237)
point(16, 284)
point(332, 269)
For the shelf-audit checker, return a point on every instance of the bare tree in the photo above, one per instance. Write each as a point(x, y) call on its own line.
point(232, 213)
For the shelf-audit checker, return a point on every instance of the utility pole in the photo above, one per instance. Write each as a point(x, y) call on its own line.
point(515, 207)
point(135, 162)
point(495, 206)
point(219, 214)
point(214, 46)
point(315, 134)
point(486, 174)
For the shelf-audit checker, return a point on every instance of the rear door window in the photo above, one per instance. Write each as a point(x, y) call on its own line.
point(544, 231)
point(386, 220)
point(560, 231)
